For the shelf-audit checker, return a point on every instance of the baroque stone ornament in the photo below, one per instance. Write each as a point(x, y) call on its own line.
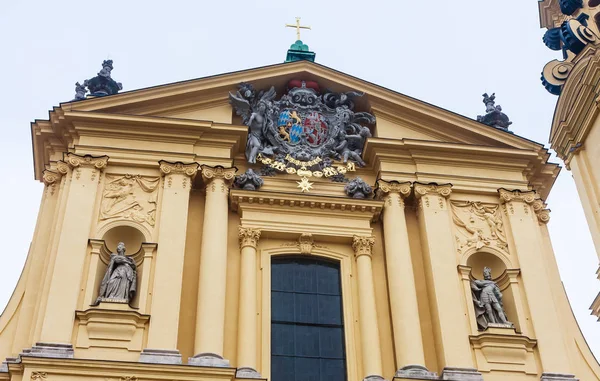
point(528, 197)
point(101, 85)
point(487, 299)
point(120, 280)
point(131, 197)
point(478, 225)
point(38, 376)
point(306, 243)
point(494, 116)
point(97, 162)
point(218, 172)
point(358, 188)
point(80, 91)
point(362, 245)
point(249, 180)
point(248, 237)
point(167, 168)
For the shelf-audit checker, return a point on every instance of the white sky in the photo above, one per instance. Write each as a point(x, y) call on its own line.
point(443, 52)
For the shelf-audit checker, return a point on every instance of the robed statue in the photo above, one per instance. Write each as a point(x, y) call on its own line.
point(487, 299)
point(120, 280)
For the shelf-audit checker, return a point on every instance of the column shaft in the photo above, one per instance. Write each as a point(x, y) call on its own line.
point(369, 328)
point(65, 285)
point(247, 311)
point(210, 316)
point(408, 342)
point(166, 297)
point(450, 324)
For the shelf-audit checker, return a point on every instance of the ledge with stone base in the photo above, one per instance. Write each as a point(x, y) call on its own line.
point(461, 374)
point(50, 350)
point(208, 359)
point(160, 356)
point(414, 372)
point(247, 372)
point(558, 377)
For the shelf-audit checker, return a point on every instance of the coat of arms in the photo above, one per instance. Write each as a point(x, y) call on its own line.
point(304, 131)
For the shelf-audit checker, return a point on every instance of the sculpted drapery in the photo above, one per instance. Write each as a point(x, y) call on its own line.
point(120, 280)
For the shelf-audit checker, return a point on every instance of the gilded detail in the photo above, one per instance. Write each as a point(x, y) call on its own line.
point(248, 237)
point(363, 245)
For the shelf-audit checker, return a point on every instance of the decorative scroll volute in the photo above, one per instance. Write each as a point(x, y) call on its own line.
point(248, 237)
point(529, 198)
point(97, 162)
point(218, 172)
point(363, 245)
point(432, 195)
point(167, 168)
point(393, 191)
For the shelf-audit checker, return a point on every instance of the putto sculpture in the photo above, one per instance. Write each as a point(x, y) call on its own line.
point(494, 116)
point(120, 280)
point(487, 299)
point(99, 86)
point(358, 188)
point(249, 180)
point(303, 126)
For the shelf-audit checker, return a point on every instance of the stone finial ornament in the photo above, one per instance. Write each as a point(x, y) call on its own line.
point(120, 280)
point(80, 91)
point(249, 180)
point(99, 86)
point(487, 299)
point(494, 116)
point(357, 188)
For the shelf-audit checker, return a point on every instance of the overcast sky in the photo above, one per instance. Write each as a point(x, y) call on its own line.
point(444, 52)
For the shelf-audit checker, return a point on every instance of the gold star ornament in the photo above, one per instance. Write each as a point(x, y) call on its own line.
point(304, 185)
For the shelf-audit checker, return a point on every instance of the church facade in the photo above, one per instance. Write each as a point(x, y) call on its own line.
point(256, 225)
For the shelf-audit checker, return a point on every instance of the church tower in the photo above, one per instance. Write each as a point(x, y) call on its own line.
point(573, 29)
point(287, 222)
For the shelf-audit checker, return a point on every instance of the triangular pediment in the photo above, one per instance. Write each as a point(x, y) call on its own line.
point(398, 116)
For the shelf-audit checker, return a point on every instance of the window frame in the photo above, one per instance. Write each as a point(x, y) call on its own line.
point(349, 312)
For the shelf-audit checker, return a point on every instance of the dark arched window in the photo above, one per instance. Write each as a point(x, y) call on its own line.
point(307, 329)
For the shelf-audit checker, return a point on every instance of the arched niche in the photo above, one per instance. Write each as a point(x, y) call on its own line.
point(133, 235)
point(481, 259)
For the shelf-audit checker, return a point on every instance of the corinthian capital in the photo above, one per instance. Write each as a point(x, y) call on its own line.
point(385, 188)
point(218, 172)
point(89, 161)
point(516, 195)
point(363, 245)
point(248, 237)
point(167, 168)
point(443, 190)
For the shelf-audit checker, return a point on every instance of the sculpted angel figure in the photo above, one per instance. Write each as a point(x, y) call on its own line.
point(254, 111)
point(119, 282)
point(487, 299)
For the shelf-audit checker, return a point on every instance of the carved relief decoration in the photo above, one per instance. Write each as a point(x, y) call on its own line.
point(218, 172)
point(98, 162)
point(362, 245)
point(130, 197)
point(387, 188)
point(38, 376)
point(478, 225)
point(50, 179)
point(167, 168)
point(529, 198)
point(305, 244)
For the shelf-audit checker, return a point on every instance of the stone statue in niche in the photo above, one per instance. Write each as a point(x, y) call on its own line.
point(120, 280)
point(487, 299)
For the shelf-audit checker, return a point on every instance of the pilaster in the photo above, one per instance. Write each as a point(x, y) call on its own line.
point(523, 209)
point(166, 298)
point(369, 329)
point(210, 316)
point(406, 323)
point(83, 176)
point(247, 310)
point(450, 323)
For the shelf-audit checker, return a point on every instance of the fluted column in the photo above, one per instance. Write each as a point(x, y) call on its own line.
point(166, 295)
point(369, 328)
point(406, 324)
point(450, 322)
point(525, 211)
point(247, 318)
point(83, 176)
point(210, 316)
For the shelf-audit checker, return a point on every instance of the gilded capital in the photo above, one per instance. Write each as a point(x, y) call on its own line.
point(443, 190)
point(89, 161)
point(363, 245)
point(167, 168)
point(218, 172)
point(387, 188)
point(51, 177)
point(516, 195)
point(248, 237)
